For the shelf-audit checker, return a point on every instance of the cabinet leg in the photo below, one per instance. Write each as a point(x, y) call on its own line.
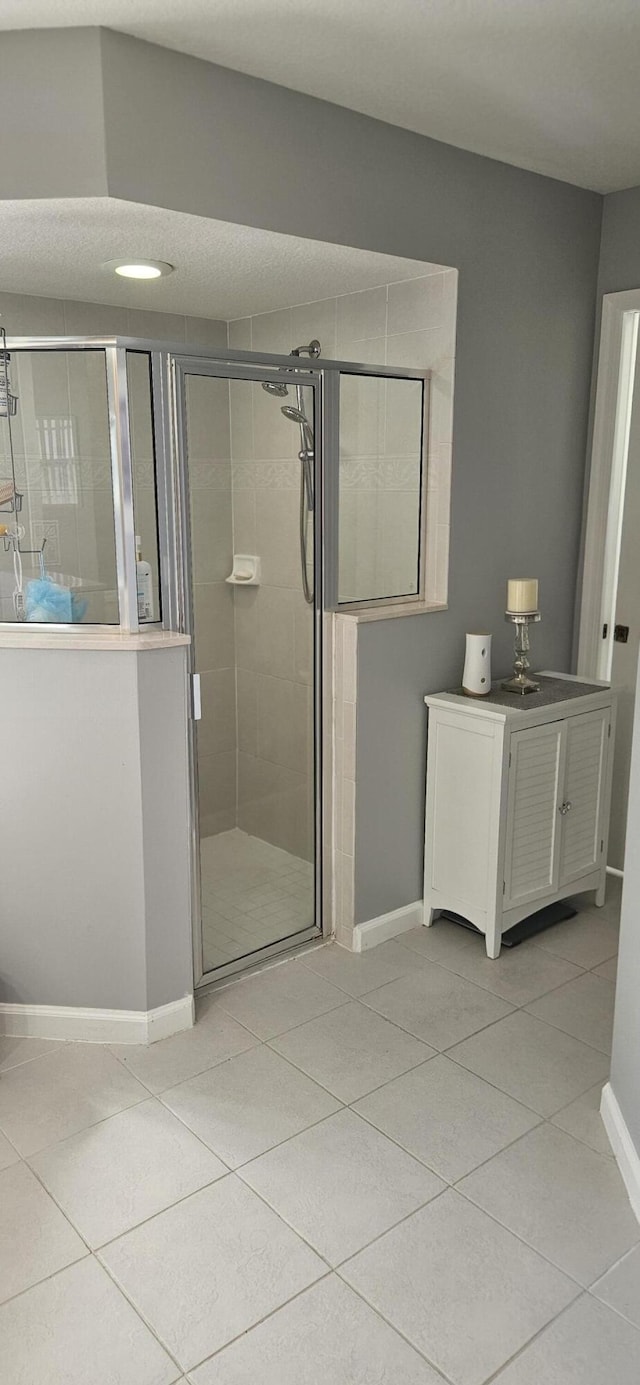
point(601, 892)
point(429, 915)
point(493, 941)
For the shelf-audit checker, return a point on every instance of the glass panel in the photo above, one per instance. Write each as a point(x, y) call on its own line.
point(381, 459)
point(249, 495)
point(143, 464)
point(60, 517)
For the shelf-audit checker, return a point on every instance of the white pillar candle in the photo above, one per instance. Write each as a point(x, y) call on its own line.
point(522, 595)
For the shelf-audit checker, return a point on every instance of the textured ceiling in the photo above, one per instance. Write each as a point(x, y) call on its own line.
point(57, 249)
point(549, 85)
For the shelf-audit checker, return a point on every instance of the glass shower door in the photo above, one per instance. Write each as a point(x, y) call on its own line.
point(249, 474)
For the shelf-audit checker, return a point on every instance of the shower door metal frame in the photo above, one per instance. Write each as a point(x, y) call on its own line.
point(180, 601)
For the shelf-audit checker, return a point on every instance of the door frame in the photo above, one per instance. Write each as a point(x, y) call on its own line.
point(605, 500)
point(257, 369)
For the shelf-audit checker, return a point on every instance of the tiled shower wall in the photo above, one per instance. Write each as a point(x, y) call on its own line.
point(209, 447)
point(406, 324)
point(273, 627)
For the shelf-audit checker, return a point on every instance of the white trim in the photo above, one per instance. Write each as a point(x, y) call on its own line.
point(69, 1022)
point(374, 931)
point(626, 1154)
point(615, 307)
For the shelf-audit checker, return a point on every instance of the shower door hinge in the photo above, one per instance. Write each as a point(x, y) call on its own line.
point(196, 701)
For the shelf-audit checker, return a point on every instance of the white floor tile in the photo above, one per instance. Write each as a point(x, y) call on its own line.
point(437, 1006)
point(583, 1008)
point(35, 1238)
point(358, 972)
point(520, 974)
point(279, 999)
point(8, 1155)
point(14, 1051)
point(463, 1290)
point(211, 1267)
point(609, 970)
point(439, 943)
point(214, 1038)
point(446, 1116)
point(587, 940)
point(562, 1198)
point(53, 1097)
point(340, 1184)
point(620, 1287)
point(533, 1062)
point(352, 1050)
point(251, 1103)
point(76, 1328)
point(128, 1168)
point(583, 1120)
point(588, 1345)
point(326, 1335)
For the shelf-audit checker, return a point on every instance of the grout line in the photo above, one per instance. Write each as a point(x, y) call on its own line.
point(140, 1315)
point(525, 1346)
point(388, 1321)
point(568, 1274)
point(271, 1314)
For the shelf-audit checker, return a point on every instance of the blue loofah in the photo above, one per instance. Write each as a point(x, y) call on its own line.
point(46, 601)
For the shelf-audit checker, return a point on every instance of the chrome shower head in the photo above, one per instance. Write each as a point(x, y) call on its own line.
point(295, 415)
point(276, 387)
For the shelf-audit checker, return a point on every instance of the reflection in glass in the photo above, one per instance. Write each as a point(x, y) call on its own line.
point(65, 568)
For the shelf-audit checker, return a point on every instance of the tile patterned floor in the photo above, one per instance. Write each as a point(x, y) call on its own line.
point(253, 894)
point(387, 1167)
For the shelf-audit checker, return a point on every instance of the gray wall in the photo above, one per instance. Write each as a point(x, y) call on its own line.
point(620, 269)
point(526, 247)
point(51, 114)
point(527, 251)
point(620, 250)
point(94, 891)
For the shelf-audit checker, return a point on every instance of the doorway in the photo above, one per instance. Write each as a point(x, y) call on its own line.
point(610, 622)
point(248, 447)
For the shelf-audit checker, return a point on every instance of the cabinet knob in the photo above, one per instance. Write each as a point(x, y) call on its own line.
point(565, 808)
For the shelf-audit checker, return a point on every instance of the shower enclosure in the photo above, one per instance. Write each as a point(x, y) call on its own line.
point(264, 492)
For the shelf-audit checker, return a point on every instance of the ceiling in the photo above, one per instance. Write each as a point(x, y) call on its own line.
point(548, 85)
point(57, 249)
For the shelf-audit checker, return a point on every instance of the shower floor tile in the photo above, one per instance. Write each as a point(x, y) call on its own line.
point(253, 894)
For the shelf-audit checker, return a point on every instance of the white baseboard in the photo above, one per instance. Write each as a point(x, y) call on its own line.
point(97, 1026)
point(374, 931)
point(627, 1156)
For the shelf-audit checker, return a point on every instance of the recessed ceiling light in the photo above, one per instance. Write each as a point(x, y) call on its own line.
point(140, 269)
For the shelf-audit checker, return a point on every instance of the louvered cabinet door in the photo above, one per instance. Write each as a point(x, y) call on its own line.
point(583, 803)
point(532, 858)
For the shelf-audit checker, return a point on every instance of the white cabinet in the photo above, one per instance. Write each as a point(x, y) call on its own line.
point(517, 801)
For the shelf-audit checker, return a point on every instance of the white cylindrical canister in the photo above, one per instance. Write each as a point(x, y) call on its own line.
point(476, 678)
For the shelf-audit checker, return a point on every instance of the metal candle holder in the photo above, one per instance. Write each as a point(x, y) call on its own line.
point(521, 683)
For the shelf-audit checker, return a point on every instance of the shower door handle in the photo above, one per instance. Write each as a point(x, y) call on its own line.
point(196, 700)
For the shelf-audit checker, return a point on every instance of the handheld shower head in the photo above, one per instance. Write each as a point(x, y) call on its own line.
point(295, 415)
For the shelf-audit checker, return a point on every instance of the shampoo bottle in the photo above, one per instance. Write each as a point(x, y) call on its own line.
point(144, 585)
